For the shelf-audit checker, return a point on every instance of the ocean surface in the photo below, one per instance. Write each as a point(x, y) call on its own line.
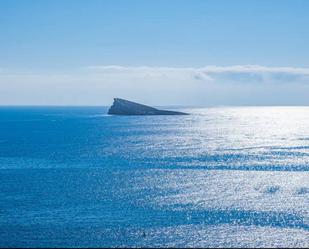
point(221, 177)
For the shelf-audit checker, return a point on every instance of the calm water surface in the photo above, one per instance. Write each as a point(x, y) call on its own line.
point(219, 177)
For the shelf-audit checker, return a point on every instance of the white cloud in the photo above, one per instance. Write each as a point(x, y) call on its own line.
point(209, 85)
point(238, 73)
point(151, 72)
point(255, 69)
point(206, 69)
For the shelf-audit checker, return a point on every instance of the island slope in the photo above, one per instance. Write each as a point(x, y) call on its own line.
point(126, 107)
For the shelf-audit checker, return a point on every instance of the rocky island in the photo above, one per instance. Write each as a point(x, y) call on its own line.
point(126, 107)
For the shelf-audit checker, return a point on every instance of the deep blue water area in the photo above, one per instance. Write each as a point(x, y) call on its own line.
point(220, 177)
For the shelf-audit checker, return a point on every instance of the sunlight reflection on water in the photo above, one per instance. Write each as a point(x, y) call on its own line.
point(219, 177)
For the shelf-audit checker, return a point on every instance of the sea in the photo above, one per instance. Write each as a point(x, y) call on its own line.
point(220, 177)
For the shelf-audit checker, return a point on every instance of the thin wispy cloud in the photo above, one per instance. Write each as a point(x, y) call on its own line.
point(206, 69)
point(209, 73)
point(200, 73)
point(209, 85)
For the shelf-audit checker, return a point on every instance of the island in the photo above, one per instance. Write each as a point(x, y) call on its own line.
point(126, 107)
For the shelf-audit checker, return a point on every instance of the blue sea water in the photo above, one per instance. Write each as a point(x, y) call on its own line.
point(221, 177)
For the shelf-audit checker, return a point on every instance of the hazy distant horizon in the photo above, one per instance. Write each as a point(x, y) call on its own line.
point(170, 106)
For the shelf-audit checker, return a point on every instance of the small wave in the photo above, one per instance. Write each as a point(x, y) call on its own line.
point(272, 189)
point(302, 191)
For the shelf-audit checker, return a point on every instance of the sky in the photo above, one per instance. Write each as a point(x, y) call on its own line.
point(159, 52)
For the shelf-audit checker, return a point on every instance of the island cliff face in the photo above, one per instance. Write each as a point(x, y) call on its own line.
point(125, 107)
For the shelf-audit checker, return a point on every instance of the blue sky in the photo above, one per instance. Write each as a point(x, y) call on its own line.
point(60, 52)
